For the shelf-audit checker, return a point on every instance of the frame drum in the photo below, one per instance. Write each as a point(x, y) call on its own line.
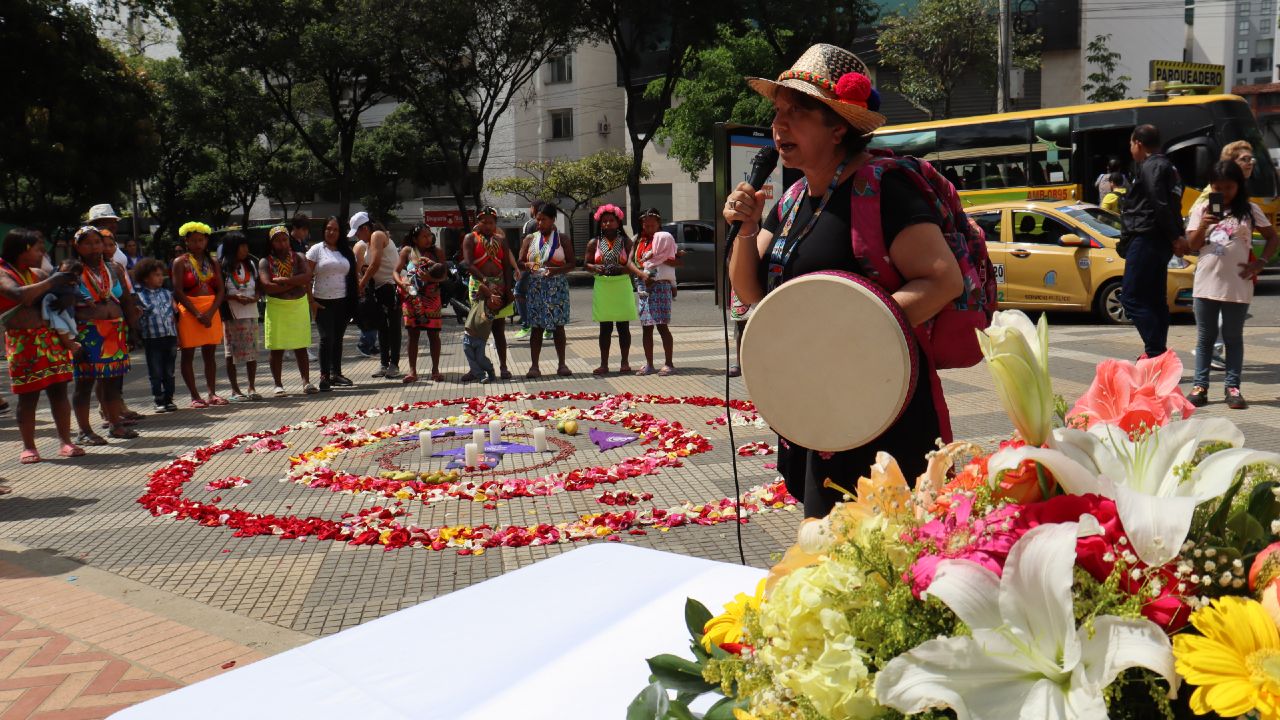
point(829, 360)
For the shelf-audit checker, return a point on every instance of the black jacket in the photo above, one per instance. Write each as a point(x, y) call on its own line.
point(1153, 204)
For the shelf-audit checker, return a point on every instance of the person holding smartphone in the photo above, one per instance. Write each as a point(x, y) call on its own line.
point(1221, 230)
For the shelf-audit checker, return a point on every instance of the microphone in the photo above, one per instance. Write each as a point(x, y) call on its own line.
point(762, 167)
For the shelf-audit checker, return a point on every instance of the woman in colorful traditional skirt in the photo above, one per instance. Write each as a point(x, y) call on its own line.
point(103, 335)
point(613, 299)
point(37, 358)
point(240, 314)
point(549, 259)
point(656, 256)
point(198, 288)
point(418, 275)
point(284, 276)
point(486, 254)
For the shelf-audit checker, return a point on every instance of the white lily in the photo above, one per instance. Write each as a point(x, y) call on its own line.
point(1017, 354)
point(1155, 496)
point(1026, 658)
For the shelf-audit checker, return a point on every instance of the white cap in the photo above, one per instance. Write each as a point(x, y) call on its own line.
point(357, 220)
point(102, 211)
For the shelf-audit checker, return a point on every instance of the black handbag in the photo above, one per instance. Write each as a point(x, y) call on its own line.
point(369, 313)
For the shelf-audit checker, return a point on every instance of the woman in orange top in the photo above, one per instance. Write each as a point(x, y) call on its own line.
point(198, 288)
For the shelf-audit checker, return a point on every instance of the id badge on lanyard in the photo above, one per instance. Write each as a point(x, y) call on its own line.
point(785, 244)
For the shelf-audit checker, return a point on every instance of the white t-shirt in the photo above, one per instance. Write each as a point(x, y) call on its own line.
point(241, 311)
point(330, 281)
point(1226, 247)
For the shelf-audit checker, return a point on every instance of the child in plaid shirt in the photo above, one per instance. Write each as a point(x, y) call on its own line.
point(159, 329)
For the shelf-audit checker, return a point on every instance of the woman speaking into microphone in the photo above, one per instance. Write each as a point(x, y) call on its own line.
point(825, 112)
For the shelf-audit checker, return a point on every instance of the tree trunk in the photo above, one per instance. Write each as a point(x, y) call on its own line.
point(346, 145)
point(633, 181)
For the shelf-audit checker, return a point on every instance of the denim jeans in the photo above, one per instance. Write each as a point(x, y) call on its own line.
point(331, 322)
point(392, 318)
point(479, 363)
point(1144, 291)
point(161, 352)
point(1207, 327)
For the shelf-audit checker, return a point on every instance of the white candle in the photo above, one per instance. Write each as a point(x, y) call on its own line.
point(477, 437)
point(540, 439)
point(472, 454)
point(495, 431)
point(424, 442)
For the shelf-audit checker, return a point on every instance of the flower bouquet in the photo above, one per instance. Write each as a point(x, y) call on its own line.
point(1111, 559)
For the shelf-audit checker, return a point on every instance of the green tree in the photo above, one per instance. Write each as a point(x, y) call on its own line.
point(575, 184)
point(293, 176)
point(461, 63)
point(1103, 84)
point(185, 184)
point(75, 124)
point(714, 92)
point(938, 43)
point(314, 58)
point(654, 45)
point(396, 153)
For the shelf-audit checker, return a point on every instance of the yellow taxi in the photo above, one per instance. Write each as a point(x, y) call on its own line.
point(1061, 255)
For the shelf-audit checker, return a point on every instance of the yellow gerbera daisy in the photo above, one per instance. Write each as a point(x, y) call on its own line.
point(1236, 663)
point(727, 627)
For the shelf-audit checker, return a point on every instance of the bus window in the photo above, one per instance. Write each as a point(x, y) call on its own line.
point(993, 148)
point(1234, 122)
point(1051, 152)
point(1193, 160)
point(918, 144)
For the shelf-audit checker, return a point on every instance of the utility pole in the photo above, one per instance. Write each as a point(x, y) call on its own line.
point(1004, 57)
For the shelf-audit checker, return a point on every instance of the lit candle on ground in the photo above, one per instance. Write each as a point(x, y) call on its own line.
point(495, 431)
point(472, 452)
point(477, 437)
point(540, 439)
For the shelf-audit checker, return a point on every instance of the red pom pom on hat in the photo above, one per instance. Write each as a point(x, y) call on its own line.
point(853, 87)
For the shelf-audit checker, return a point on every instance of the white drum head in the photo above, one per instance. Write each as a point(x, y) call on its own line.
point(829, 361)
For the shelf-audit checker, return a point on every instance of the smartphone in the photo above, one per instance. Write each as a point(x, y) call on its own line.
point(1215, 204)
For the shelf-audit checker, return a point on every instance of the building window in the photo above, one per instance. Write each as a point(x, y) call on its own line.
point(1242, 7)
point(561, 124)
point(1259, 64)
point(1242, 47)
point(1243, 26)
point(1263, 48)
point(560, 69)
point(1266, 8)
point(1239, 66)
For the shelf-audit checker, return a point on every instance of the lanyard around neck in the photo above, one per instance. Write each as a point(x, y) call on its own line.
point(787, 242)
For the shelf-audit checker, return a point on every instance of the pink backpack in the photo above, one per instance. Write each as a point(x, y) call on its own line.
point(950, 339)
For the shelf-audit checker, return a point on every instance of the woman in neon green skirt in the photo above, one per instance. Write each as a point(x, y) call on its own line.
point(613, 300)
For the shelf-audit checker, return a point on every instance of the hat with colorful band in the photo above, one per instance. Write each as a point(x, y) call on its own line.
point(834, 76)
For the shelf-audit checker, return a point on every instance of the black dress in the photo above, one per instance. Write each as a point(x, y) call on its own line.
point(828, 246)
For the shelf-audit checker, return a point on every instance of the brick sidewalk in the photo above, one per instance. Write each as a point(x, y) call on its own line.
point(102, 605)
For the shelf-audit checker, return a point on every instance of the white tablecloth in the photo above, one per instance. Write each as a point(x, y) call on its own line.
point(563, 638)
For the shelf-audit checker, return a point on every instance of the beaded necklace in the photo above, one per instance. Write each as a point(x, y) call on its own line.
point(198, 269)
point(282, 268)
point(97, 283)
point(24, 277)
point(241, 282)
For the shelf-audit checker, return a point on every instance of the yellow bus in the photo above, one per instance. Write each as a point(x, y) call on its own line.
point(1058, 153)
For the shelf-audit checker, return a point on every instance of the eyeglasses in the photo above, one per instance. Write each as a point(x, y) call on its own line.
point(1247, 159)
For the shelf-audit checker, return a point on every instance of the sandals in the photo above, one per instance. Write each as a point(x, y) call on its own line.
point(279, 391)
point(646, 370)
point(123, 433)
point(310, 389)
point(533, 373)
point(624, 368)
point(505, 374)
point(410, 378)
point(735, 371)
point(215, 400)
point(239, 398)
point(90, 439)
point(600, 371)
point(564, 371)
point(198, 404)
point(29, 457)
point(69, 451)
point(439, 377)
point(253, 395)
point(666, 371)
point(5, 489)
